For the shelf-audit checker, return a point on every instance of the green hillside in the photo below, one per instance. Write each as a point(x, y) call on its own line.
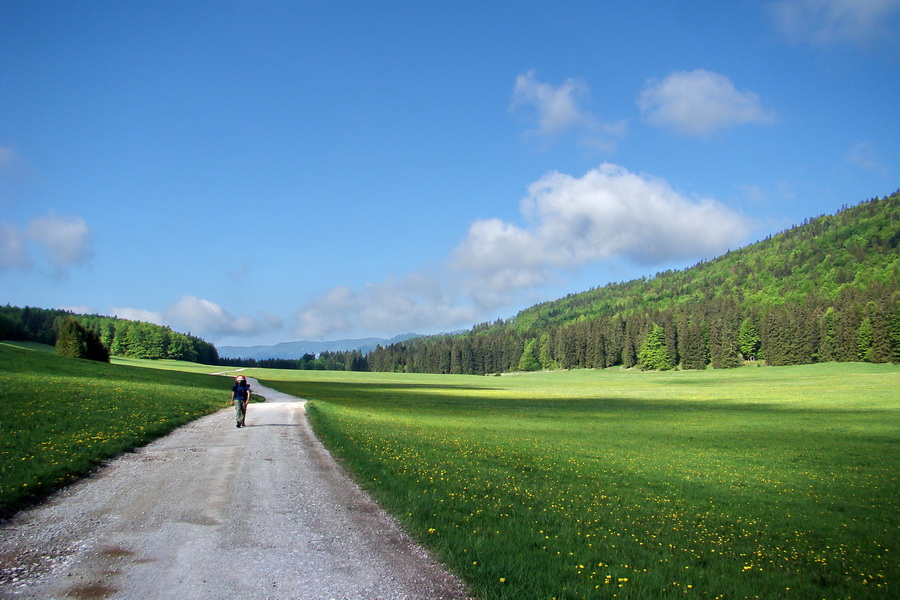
point(826, 290)
point(853, 251)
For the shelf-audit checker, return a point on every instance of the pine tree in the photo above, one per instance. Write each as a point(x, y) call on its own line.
point(748, 340)
point(545, 354)
point(528, 361)
point(864, 340)
point(70, 339)
point(893, 325)
point(75, 341)
point(654, 354)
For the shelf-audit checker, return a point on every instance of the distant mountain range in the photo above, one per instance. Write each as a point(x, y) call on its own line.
point(297, 349)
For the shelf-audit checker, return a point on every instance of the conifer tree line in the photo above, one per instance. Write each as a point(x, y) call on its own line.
point(827, 290)
point(97, 338)
point(118, 337)
point(351, 360)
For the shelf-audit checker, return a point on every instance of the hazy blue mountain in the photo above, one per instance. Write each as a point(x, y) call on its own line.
point(299, 348)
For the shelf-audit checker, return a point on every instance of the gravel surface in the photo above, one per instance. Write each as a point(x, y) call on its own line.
point(212, 511)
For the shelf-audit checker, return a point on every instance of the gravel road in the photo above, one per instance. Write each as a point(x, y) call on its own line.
point(212, 511)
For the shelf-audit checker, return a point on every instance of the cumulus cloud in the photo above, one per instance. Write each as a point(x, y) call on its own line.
point(392, 306)
point(13, 248)
point(208, 318)
point(826, 22)
point(65, 241)
point(137, 314)
point(560, 109)
point(201, 317)
point(78, 309)
point(569, 223)
point(699, 102)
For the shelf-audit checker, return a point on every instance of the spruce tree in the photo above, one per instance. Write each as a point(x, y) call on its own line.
point(654, 354)
point(528, 361)
point(545, 354)
point(748, 340)
point(865, 339)
point(75, 341)
point(70, 340)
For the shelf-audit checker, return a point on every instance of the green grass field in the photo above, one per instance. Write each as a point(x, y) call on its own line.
point(61, 416)
point(749, 483)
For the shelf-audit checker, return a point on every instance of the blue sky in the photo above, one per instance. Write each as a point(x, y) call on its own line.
point(256, 172)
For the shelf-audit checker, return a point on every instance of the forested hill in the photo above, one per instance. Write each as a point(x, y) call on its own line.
point(826, 290)
point(855, 249)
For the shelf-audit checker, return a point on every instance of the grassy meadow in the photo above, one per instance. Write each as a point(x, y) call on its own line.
point(776, 482)
point(62, 416)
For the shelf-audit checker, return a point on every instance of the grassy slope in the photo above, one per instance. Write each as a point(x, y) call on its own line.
point(736, 484)
point(63, 416)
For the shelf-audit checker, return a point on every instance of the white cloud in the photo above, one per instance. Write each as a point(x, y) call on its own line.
point(608, 214)
point(393, 306)
point(559, 109)
point(66, 241)
point(825, 22)
point(13, 248)
point(203, 317)
point(78, 309)
point(270, 322)
point(864, 156)
point(699, 102)
point(137, 314)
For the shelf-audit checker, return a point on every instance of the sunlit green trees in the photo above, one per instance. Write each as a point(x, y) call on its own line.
point(748, 340)
point(528, 361)
point(654, 354)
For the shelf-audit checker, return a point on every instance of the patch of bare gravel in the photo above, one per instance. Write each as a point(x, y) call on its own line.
point(212, 511)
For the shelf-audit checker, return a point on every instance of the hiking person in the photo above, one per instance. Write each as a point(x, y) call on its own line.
point(240, 397)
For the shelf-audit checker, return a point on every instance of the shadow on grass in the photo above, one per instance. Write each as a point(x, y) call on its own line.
point(438, 397)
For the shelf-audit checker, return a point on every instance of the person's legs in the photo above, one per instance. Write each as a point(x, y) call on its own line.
point(239, 412)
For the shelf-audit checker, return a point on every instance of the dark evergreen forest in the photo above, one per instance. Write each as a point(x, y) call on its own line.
point(826, 290)
point(351, 360)
point(120, 337)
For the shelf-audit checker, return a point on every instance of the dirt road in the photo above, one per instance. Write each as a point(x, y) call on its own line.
point(212, 511)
